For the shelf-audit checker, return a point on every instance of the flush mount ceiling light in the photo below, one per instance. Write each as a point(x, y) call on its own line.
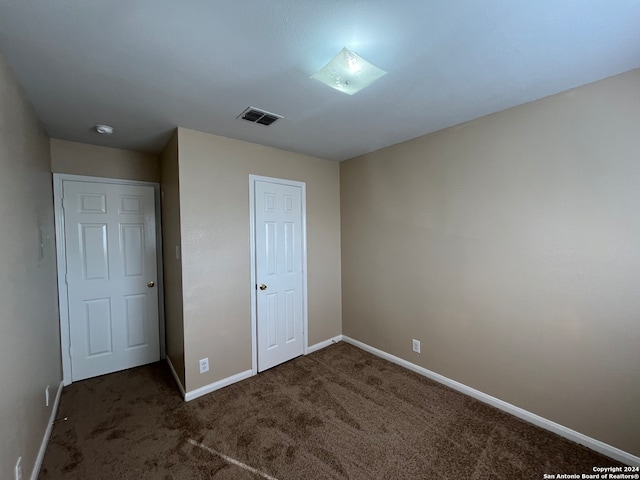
point(104, 129)
point(348, 72)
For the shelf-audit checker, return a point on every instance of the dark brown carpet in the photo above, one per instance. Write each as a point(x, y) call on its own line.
point(337, 413)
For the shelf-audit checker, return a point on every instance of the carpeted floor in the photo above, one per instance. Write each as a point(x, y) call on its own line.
point(339, 413)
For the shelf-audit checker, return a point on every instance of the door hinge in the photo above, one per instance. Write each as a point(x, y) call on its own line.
point(66, 280)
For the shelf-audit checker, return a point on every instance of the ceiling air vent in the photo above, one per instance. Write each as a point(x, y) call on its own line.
point(256, 115)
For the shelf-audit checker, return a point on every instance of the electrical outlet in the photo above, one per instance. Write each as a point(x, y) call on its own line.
point(204, 365)
point(46, 396)
point(19, 469)
point(416, 345)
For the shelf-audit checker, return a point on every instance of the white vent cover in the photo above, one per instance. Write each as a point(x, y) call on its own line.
point(255, 115)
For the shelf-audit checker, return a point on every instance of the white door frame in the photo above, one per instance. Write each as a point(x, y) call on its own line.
point(252, 246)
point(61, 258)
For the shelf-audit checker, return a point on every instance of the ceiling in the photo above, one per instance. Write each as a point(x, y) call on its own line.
point(147, 66)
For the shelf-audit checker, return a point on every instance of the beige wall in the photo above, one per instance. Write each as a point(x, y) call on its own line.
point(214, 208)
point(510, 247)
point(29, 325)
point(170, 187)
point(94, 161)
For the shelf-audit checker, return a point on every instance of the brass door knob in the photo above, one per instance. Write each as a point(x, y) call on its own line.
point(263, 286)
point(151, 284)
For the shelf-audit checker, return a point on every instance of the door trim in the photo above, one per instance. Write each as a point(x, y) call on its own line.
point(61, 259)
point(252, 248)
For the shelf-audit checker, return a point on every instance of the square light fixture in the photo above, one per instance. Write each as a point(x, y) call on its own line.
point(348, 72)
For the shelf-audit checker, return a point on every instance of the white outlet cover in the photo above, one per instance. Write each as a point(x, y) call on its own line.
point(416, 345)
point(204, 365)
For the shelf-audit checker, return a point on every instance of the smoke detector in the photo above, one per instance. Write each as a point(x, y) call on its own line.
point(104, 129)
point(256, 115)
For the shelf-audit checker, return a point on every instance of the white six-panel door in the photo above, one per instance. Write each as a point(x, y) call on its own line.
point(279, 272)
point(110, 240)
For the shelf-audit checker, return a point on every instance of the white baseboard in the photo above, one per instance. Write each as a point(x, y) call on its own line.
point(561, 430)
point(188, 396)
point(175, 375)
point(212, 387)
point(321, 345)
point(47, 434)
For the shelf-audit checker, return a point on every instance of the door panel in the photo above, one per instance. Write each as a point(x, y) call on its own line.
point(93, 248)
point(98, 326)
point(136, 313)
point(133, 244)
point(110, 257)
point(279, 266)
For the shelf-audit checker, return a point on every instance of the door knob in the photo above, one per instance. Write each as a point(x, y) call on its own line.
point(151, 284)
point(263, 286)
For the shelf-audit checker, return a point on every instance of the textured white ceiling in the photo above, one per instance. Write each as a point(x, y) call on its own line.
point(147, 66)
